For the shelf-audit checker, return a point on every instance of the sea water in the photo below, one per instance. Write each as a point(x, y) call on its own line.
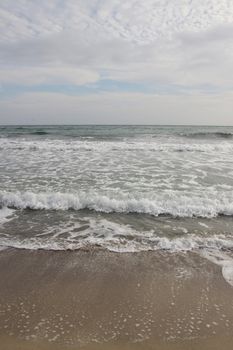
point(121, 188)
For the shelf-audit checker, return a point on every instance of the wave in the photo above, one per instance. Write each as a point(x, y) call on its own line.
point(160, 243)
point(103, 234)
point(21, 132)
point(217, 134)
point(221, 259)
point(38, 133)
point(104, 146)
point(114, 237)
point(164, 203)
point(118, 238)
point(5, 213)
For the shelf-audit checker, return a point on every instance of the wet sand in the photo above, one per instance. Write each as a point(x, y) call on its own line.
point(101, 300)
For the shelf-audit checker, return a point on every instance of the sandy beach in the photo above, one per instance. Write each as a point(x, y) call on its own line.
point(101, 300)
point(116, 175)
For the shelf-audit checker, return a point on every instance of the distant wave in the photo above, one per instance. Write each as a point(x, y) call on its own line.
point(172, 203)
point(89, 145)
point(39, 133)
point(218, 134)
point(22, 136)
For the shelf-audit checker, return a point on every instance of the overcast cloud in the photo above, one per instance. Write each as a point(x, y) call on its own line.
point(115, 61)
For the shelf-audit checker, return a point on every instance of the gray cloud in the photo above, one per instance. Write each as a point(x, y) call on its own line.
point(113, 108)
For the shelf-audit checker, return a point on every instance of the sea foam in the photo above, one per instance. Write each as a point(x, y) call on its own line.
point(106, 146)
point(5, 214)
point(223, 260)
point(172, 203)
point(115, 237)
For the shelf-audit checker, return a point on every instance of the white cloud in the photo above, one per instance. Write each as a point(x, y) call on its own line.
point(134, 20)
point(181, 43)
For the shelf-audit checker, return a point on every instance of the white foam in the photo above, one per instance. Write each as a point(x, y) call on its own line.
point(221, 259)
point(114, 237)
point(203, 225)
point(5, 214)
point(106, 146)
point(169, 203)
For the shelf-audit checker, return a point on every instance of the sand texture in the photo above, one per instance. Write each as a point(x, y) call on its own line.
point(95, 299)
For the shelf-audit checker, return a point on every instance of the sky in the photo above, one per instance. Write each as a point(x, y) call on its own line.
point(116, 62)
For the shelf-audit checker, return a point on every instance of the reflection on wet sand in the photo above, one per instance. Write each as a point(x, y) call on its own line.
point(101, 300)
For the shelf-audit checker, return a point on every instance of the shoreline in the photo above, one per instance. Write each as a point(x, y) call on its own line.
point(98, 299)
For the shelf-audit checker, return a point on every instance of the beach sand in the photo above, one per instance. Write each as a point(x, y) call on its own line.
point(96, 299)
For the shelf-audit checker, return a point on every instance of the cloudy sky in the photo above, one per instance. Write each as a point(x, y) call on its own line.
point(116, 61)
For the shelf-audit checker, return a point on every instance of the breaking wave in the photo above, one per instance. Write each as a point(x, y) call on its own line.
point(164, 203)
point(105, 146)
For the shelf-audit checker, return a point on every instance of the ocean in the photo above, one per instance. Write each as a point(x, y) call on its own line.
point(116, 237)
point(119, 188)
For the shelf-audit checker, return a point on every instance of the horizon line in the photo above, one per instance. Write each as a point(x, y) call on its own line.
point(100, 124)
